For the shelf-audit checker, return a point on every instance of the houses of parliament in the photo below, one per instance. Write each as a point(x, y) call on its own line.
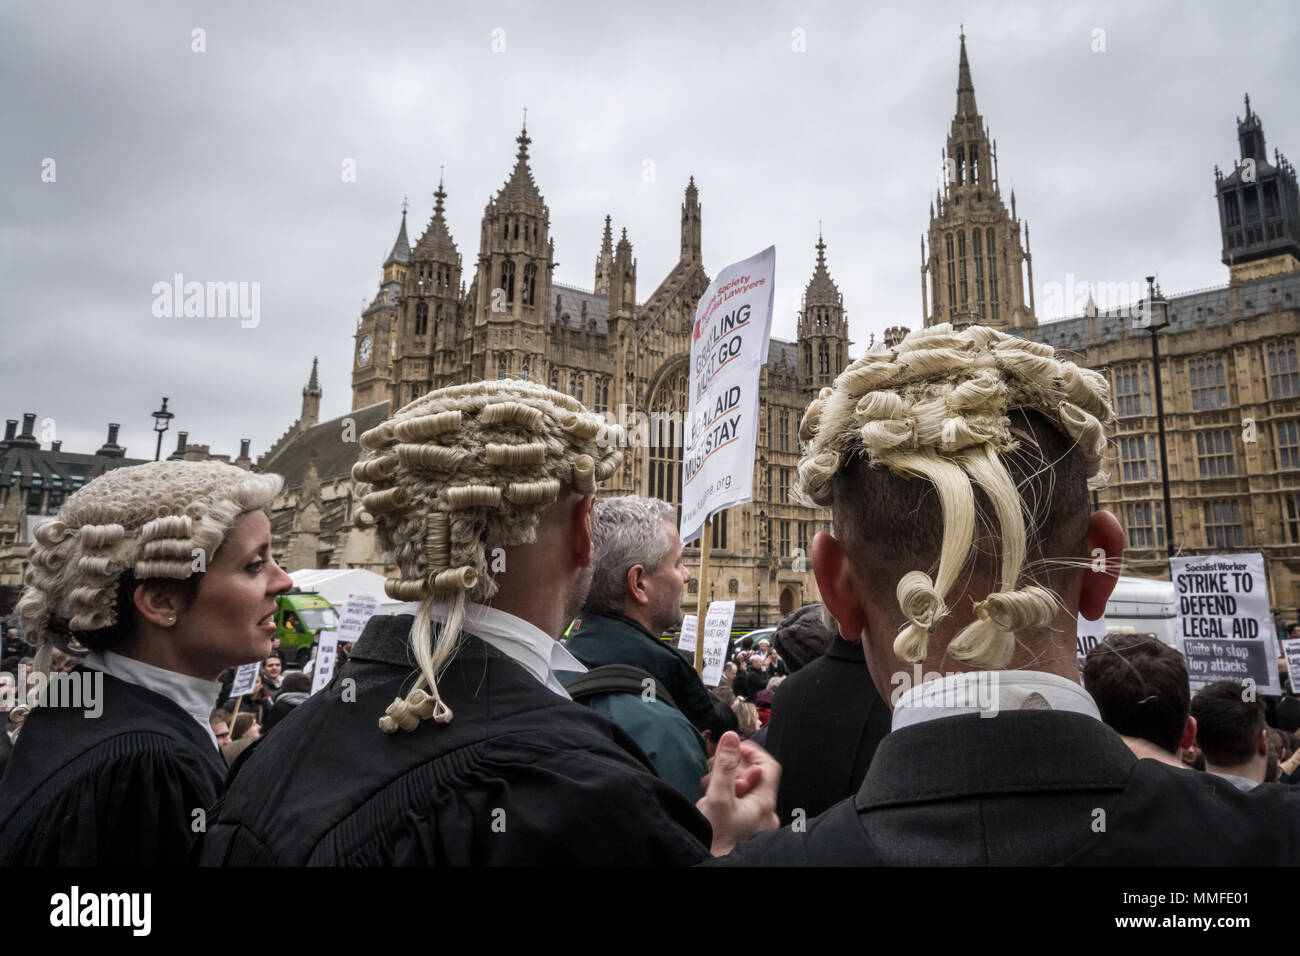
point(1228, 367)
point(1230, 381)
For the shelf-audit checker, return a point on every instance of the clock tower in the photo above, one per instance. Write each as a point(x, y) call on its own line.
point(372, 352)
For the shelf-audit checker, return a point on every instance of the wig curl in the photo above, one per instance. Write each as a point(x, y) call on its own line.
point(936, 407)
point(456, 474)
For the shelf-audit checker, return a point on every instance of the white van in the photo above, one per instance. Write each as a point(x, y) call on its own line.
point(1145, 606)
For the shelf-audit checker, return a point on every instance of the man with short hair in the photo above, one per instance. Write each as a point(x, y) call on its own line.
point(1140, 686)
point(957, 466)
point(636, 595)
point(1231, 732)
point(447, 738)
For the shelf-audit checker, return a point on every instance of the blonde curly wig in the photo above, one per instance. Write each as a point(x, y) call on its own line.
point(935, 407)
point(153, 520)
point(452, 476)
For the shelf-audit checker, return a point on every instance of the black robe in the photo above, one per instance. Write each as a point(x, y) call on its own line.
point(120, 789)
point(520, 776)
point(1033, 788)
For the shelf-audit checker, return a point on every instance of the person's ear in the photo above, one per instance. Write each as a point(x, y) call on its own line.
point(834, 576)
point(580, 531)
point(1262, 744)
point(159, 607)
point(1189, 734)
point(636, 591)
point(1105, 546)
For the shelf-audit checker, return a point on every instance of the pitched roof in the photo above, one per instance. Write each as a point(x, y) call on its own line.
point(436, 242)
point(566, 308)
point(401, 248)
point(334, 456)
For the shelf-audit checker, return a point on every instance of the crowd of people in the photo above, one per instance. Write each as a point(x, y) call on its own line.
point(463, 730)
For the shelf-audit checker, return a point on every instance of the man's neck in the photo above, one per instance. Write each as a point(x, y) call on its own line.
point(635, 614)
point(541, 616)
point(1255, 770)
point(1146, 750)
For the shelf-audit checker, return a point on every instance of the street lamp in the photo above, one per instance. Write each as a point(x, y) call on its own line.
point(1158, 305)
point(162, 420)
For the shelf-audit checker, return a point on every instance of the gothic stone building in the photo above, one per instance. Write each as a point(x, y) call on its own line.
point(1228, 369)
point(433, 323)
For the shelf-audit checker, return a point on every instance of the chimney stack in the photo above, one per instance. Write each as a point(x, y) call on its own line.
point(11, 426)
point(56, 445)
point(111, 449)
point(243, 447)
point(29, 422)
point(182, 439)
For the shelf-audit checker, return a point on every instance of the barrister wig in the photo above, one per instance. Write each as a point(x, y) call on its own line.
point(935, 407)
point(164, 519)
point(452, 477)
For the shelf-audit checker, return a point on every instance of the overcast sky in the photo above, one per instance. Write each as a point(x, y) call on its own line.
point(227, 164)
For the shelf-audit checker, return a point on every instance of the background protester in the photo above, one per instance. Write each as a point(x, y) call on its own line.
point(1231, 733)
point(272, 667)
point(827, 721)
point(1140, 686)
point(636, 594)
point(246, 725)
point(957, 466)
point(219, 721)
point(455, 742)
point(746, 718)
point(116, 571)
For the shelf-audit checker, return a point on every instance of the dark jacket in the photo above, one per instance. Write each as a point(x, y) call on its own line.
point(519, 776)
point(1035, 788)
point(665, 736)
point(827, 721)
point(599, 639)
point(119, 789)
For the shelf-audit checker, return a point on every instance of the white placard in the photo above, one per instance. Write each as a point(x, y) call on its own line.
point(1291, 648)
point(729, 339)
point(1225, 627)
point(686, 641)
point(1090, 634)
point(717, 640)
point(245, 678)
point(358, 608)
point(327, 649)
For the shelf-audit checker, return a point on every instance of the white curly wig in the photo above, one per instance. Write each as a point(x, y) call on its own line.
point(153, 520)
point(455, 474)
point(935, 407)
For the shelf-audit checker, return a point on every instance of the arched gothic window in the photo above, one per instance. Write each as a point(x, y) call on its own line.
point(508, 279)
point(421, 318)
point(529, 291)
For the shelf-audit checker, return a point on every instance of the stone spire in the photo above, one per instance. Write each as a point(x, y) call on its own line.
point(311, 393)
point(605, 261)
point(965, 88)
point(436, 243)
point(520, 187)
point(691, 224)
point(401, 253)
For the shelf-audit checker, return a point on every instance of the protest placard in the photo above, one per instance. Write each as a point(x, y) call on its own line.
point(1090, 634)
point(1225, 628)
point(729, 339)
point(358, 608)
point(326, 656)
point(245, 678)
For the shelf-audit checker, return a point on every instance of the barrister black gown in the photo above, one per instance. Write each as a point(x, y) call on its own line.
point(119, 789)
point(520, 776)
point(1034, 788)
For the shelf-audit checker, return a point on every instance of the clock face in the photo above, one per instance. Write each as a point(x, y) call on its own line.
point(363, 353)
